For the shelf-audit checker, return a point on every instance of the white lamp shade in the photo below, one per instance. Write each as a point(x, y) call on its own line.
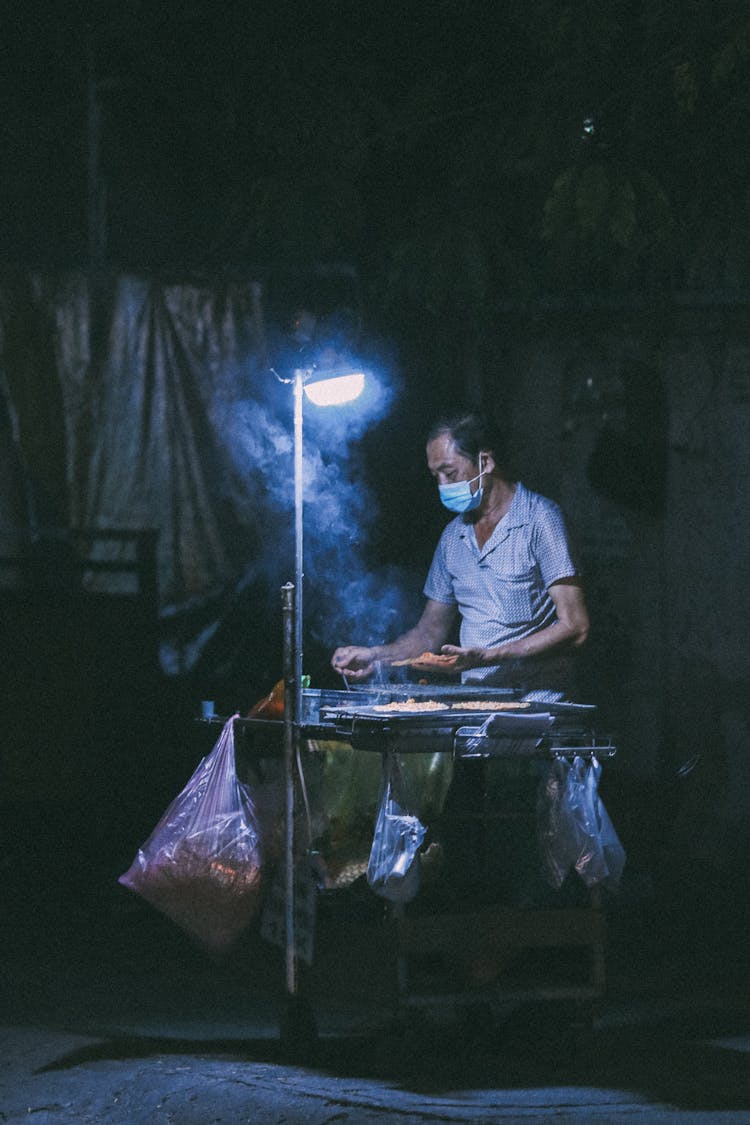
point(335, 389)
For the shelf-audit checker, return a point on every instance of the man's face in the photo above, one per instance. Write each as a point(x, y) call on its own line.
point(446, 464)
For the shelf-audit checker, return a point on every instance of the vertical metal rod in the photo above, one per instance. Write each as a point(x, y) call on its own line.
point(292, 608)
point(298, 553)
point(287, 605)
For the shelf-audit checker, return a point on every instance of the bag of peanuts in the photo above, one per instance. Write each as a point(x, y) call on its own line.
point(202, 864)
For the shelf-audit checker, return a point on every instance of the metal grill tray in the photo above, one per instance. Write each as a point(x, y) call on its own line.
point(316, 700)
point(432, 719)
point(446, 717)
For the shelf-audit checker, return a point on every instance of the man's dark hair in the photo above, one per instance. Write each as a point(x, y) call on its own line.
point(473, 433)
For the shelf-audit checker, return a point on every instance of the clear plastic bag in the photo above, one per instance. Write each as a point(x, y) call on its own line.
point(612, 849)
point(573, 827)
point(557, 834)
point(201, 866)
point(582, 796)
point(393, 866)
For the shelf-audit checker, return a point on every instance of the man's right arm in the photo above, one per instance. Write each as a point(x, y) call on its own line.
point(431, 632)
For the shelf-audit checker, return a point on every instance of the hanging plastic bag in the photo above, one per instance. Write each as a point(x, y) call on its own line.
point(201, 865)
point(612, 850)
point(574, 830)
point(393, 867)
point(589, 862)
point(557, 833)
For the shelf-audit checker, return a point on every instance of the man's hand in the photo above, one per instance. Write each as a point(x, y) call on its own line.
point(466, 657)
point(354, 662)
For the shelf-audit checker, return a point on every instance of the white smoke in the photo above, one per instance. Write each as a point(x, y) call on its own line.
point(348, 599)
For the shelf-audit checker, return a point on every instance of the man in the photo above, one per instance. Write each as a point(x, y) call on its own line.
point(503, 565)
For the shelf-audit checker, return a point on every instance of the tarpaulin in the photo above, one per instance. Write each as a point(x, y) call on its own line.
point(121, 405)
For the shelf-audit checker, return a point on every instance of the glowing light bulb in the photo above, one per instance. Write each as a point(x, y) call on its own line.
point(336, 389)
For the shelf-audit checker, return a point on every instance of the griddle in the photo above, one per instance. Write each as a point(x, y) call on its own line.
point(350, 716)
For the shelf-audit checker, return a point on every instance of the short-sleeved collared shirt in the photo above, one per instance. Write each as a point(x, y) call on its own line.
point(502, 590)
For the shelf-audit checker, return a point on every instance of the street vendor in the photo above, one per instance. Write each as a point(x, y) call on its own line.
point(503, 567)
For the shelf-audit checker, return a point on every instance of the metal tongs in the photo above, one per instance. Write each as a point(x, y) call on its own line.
point(378, 676)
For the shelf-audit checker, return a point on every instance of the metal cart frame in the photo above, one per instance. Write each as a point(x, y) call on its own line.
point(498, 932)
point(493, 931)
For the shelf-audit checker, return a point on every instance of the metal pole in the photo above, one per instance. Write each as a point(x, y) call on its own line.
point(298, 555)
point(292, 613)
point(298, 1029)
point(287, 605)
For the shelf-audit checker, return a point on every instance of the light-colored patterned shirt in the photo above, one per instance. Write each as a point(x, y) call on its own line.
point(502, 590)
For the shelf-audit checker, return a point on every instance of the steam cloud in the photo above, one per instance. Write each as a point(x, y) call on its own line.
point(346, 598)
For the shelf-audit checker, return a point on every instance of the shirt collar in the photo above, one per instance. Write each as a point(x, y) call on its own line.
point(519, 511)
point(517, 515)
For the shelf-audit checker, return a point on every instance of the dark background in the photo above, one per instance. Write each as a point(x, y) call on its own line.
point(452, 175)
point(511, 149)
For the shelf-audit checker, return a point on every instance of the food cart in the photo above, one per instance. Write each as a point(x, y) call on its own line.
point(463, 943)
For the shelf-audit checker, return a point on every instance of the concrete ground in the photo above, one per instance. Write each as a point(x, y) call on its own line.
point(109, 1014)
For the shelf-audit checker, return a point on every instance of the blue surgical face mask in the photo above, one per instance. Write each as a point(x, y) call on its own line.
point(458, 497)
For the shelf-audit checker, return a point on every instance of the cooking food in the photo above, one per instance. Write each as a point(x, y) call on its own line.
point(427, 660)
point(489, 705)
point(411, 705)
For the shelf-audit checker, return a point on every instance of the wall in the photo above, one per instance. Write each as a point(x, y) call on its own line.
point(637, 421)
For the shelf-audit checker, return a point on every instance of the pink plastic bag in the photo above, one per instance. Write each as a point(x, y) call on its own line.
point(201, 866)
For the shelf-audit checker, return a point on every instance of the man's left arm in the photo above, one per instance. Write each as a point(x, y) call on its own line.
point(570, 606)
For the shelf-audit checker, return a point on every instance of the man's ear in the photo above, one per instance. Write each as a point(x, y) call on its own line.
point(487, 461)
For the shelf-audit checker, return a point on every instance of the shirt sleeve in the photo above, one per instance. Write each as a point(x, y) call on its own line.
point(552, 547)
point(439, 584)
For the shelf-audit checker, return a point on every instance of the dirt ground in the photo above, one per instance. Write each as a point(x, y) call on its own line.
point(111, 1015)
